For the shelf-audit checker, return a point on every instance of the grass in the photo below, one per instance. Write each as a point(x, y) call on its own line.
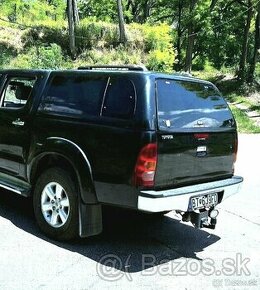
point(236, 92)
point(245, 124)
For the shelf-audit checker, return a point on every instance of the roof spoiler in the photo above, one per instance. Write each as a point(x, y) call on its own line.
point(114, 67)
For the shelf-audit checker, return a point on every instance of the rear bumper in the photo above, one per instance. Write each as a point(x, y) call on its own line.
point(178, 198)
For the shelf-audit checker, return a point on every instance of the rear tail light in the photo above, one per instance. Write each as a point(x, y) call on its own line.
point(235, 154)
point(235, 149)
point(201, 136)
point(146, 166)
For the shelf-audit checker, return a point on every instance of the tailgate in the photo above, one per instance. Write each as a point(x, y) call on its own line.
point(184, 158)
point(196, 135)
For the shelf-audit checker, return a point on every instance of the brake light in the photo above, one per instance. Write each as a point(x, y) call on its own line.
point(201, 136)
point(235, 154)
point(235, 150)
point(146, 166)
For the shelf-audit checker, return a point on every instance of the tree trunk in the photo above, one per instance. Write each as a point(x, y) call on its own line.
point(242, 65)
point(147, 6)
point(191, 39)
point(75, 12)
point(71, 28)
point(179, 34)
point(254, 61)
point(189, 50)
point(122, 33)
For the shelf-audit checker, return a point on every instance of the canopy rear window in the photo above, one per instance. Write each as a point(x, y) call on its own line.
point(188, 104)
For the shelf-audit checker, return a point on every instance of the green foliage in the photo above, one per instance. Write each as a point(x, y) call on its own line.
point(46, 35)
point(96, 42)
point(91, 34)
point(104, 10)
point(204, 66)
point(47, 57)
point(159, 60)
point(119, 55)
point(158, 43)
point(245, 125)
point(40, 57)
point(157, 37)
point(217, 30)
point(10, 44)
point(26, 11)
point(6, 55)
point(100, 35)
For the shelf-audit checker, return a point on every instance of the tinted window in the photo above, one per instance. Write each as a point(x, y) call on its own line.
point(17, 92)
point(120, 99)
point(80, 95)
point(185, 104)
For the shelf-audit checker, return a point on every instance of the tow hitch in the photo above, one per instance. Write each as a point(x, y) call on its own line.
point(202, 219)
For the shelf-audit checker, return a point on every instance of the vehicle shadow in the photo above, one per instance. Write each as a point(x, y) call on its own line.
point(130, 242)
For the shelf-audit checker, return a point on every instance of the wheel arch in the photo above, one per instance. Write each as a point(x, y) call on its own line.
point(60, 152)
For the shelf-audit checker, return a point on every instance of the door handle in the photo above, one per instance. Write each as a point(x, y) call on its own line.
point(18, 122)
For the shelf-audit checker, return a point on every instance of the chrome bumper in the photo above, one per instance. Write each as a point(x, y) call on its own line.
point(178, 198)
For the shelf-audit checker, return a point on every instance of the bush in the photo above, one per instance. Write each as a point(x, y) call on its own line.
point(96, 35)
point(47, 57)
point(91, 35)
point(159, 60)
point(47, 36)
point(141, 39)
point(119, 55)
point(97, 42)
point(43, 57)
point(6, 53)
point(157, 37)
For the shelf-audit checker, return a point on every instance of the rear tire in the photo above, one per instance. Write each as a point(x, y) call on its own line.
point(55, 203)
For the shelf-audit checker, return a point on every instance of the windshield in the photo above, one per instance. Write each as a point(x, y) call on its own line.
point(188, 104)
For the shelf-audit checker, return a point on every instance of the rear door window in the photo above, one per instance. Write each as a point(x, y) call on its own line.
point(187, 104)
point(120, 99)
point(74, 95)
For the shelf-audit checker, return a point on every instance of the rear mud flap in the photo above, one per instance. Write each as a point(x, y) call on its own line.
point(90, 220)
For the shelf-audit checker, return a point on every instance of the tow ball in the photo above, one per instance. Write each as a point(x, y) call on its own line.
point(202, 219)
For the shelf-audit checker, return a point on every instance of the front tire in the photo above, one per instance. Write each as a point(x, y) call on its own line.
point(55, 203)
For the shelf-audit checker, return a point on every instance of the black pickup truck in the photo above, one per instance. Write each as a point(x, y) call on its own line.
point(122, 136)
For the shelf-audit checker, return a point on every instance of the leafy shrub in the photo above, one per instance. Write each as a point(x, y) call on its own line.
point(91, 35)
point(47, 57)
point(96, 43)
point(96, 34)
point(6, 54)
point(46, 35)
point(159, 60)
point(157, 37)
point(118, 55)
point(21, 61)
point(40, 57)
